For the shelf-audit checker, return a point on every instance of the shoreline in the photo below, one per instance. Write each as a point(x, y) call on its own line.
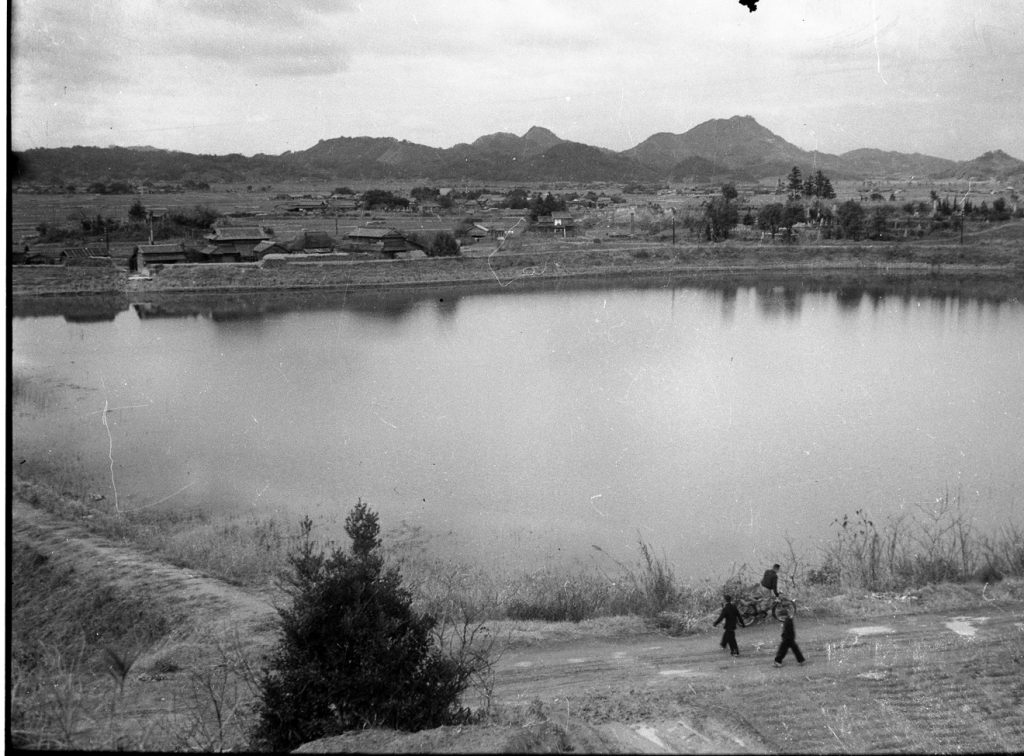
point(640, 263)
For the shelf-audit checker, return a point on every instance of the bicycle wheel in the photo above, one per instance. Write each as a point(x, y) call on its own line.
point(783, 608)
point(750, 613)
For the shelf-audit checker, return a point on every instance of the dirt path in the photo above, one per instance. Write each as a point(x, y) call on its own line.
point(918, 682)
point(922, 682)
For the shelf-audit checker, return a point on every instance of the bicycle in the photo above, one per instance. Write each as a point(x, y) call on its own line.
point(756, 609)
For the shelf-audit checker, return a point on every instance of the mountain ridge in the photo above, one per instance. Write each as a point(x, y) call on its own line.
point(736, 148)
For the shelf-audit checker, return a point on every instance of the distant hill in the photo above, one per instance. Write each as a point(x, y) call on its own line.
point(699, 170)
point(736, 149)
point(996, 164)
point(736, 143)
point(878, 163)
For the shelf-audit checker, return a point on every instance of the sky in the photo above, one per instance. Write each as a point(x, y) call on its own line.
point(937, 77)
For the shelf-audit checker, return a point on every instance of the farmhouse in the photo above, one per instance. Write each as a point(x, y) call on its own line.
point(233, 243)
point(496, 229)
point(344, 204)
point(146, 255)
point(386, 241)
point(559, 224)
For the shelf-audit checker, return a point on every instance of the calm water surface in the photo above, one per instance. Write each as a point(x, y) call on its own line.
point(527, 428)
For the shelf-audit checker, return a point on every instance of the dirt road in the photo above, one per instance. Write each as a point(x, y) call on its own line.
point(932, 682)
point(924, 681)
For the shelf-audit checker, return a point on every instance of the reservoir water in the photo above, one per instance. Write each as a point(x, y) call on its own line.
point(527, 427)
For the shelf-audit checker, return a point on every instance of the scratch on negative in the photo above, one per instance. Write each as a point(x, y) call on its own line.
point(878, 56)
point(110, 439)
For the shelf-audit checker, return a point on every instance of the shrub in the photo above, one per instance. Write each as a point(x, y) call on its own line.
point(353, 653)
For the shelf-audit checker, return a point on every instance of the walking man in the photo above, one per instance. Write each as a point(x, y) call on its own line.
point(788, 642)
point(731, 615)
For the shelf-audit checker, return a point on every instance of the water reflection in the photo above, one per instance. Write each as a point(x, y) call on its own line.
point(778, 294)
point(74, 309)
point(779, 300)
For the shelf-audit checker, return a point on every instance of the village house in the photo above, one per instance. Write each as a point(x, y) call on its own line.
point(485, 201)
point(496, 229)
point(385, 241)
point(147, 255)
point(344, 204)
point(559, 224)
point(233, 243)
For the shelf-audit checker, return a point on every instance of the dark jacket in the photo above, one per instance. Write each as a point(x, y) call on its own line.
point(788, 630)
point(731, 615)
point(771, 581)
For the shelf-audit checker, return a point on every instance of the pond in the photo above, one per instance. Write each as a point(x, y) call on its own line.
point(718, 423)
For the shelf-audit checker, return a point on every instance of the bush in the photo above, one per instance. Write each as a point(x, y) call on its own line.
point(353, 653)
point(444, 245)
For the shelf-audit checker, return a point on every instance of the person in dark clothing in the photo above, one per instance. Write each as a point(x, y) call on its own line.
point(731, 615)
point(788, 642)
point(771, 580)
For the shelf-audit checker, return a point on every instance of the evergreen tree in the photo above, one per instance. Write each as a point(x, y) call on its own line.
point(137, 213)
point(353, 653)
point(795, 183)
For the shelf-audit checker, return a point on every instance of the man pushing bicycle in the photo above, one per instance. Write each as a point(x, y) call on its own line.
point(770, 581)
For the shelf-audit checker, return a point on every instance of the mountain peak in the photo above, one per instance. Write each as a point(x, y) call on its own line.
point(735, 143)
point(540, 138)
point(737, 147)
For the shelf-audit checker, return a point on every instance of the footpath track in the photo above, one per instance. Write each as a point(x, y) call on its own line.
point(917, 682)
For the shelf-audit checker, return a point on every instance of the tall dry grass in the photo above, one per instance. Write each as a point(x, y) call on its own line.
point(931, 543)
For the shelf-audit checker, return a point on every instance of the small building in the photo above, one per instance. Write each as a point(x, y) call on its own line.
point(385, 241)
point(344, 204)
point(303, 207)
point(85, 256)
point(559, 224)
point(234, 243)
point(491, 200)
point(476, 233)
point(214, 253)
point(270, 247)
point(497, 229)
point(147, 255)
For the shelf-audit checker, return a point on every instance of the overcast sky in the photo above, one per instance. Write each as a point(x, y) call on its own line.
point(938, 77)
